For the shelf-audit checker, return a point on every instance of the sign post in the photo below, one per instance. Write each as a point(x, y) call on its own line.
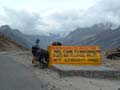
point(75, 55)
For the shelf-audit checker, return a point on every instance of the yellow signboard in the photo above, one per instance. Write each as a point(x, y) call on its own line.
point(75, 55)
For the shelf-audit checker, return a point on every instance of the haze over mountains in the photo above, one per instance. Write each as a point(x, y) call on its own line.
point(99, 34)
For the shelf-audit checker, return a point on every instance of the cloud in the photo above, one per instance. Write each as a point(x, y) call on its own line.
point(104, 11)
point(60, 22)
point(25, 21)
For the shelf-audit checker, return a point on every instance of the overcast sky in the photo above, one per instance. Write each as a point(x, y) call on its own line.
point(57, 16)
point(47, 5)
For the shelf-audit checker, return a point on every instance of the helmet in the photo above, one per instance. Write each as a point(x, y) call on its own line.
point(56, 44)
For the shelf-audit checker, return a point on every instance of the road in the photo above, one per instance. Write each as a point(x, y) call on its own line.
point(15, 76)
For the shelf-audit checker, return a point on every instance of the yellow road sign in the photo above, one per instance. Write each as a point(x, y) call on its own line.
point(75, 55)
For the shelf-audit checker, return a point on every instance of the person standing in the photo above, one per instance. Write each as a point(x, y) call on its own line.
point(35, 48)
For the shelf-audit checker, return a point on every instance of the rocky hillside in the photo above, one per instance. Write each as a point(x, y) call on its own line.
point(15, 35)
point(100, 35)
point(6, 44)
point(107, 39)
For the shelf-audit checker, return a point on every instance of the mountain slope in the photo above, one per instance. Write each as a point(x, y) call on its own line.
point(15, 35)
point(81, 34)
point(95, 35)
point(27, 40)
point(106, 39)
point(6, 44)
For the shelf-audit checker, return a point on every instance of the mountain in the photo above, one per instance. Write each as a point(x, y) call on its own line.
point(15, 35)
point(6, 44)
point(81, 34)
point(106, 39)
point(27, 40)
point(98, 34)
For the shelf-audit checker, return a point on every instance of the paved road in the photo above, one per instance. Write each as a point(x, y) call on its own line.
point(14, 76)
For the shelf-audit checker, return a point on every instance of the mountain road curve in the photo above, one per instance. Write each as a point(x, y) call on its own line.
point(14, 76)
